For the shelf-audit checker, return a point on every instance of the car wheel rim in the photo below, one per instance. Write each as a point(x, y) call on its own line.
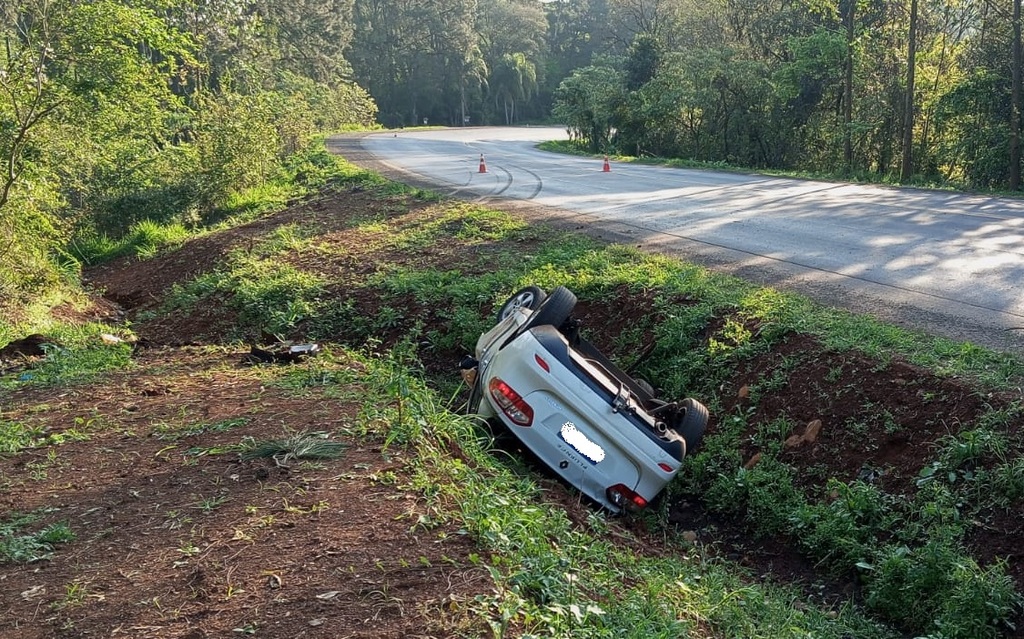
point(523, 300)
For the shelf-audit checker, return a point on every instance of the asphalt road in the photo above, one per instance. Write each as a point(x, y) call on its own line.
point(947, 263)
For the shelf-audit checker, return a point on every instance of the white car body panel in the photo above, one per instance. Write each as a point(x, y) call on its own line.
point(576, 430)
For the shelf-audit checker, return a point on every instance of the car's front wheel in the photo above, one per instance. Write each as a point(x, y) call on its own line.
point(555, 310)
point(530, 297)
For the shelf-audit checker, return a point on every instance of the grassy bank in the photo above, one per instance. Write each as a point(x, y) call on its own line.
point(916, 475)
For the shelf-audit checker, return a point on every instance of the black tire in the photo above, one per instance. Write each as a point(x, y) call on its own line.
point(531, 297)
point(646, 385)
point(692, 424)
point(555, 310)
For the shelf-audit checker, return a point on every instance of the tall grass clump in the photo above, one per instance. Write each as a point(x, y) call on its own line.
point(268, 294)
point(936, 588)
point(908, 553)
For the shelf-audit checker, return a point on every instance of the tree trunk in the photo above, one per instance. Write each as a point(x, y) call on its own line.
point(939, 69)
point(907, 167)
point(1016, 107)
point(848, 89)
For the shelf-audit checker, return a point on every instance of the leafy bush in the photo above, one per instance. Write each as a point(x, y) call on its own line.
point(844, 531)
point(238, 147)
point(936, 587)
point(134, 182)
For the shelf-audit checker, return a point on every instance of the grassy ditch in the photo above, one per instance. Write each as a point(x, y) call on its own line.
point(908, 495)
point(556, 577)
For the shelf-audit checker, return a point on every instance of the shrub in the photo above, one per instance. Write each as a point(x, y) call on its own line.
point(938, 588)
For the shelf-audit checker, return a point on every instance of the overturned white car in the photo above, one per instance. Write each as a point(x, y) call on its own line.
point(599, 429)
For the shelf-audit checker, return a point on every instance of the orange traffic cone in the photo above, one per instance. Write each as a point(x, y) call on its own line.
point(483, 167)
point(607, 167)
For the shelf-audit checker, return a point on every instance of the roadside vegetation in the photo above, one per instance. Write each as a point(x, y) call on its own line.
point(894, 514)
point(125, 126)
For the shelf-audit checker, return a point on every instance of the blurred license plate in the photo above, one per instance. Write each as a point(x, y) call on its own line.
point(581, 443)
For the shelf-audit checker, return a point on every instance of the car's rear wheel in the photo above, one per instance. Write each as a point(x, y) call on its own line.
point(692, 423)
point(645, 385)
point(530, 297)
point(554, 310)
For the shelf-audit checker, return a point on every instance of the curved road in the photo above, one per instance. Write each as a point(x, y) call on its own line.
point(947, 263)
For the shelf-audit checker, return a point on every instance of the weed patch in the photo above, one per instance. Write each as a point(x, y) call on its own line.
point(19, 546)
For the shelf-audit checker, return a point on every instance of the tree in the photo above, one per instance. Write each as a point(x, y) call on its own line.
point(418, 58)
point(310, 37)
point(850, 22)
point(512, 43)
point(907, 164)
point(1015, 107)
point(585, 102)
point(72, 76)
point(642, 61)
point(513, 78)
point(640, 67)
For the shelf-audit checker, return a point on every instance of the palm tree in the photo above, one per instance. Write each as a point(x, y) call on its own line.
point(514, 78)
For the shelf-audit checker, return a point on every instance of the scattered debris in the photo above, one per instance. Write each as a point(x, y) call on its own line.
point(809, 435)
point(281, 353)
point(31, 346)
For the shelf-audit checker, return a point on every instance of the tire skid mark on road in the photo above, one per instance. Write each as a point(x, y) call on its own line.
point(508, 183)
point(539, 182)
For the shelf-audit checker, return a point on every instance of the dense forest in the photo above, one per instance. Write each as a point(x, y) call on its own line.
point(920, 90)
point(118, 115)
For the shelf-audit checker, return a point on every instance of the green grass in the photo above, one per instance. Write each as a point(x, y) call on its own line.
point(269, 295)
point(16, 436)
point(18, 545)
point(77, 354)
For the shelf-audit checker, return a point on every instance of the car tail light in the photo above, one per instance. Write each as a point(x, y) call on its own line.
point(665, 467)
point(542, 363)
point(510, 402)
point(625, 498)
